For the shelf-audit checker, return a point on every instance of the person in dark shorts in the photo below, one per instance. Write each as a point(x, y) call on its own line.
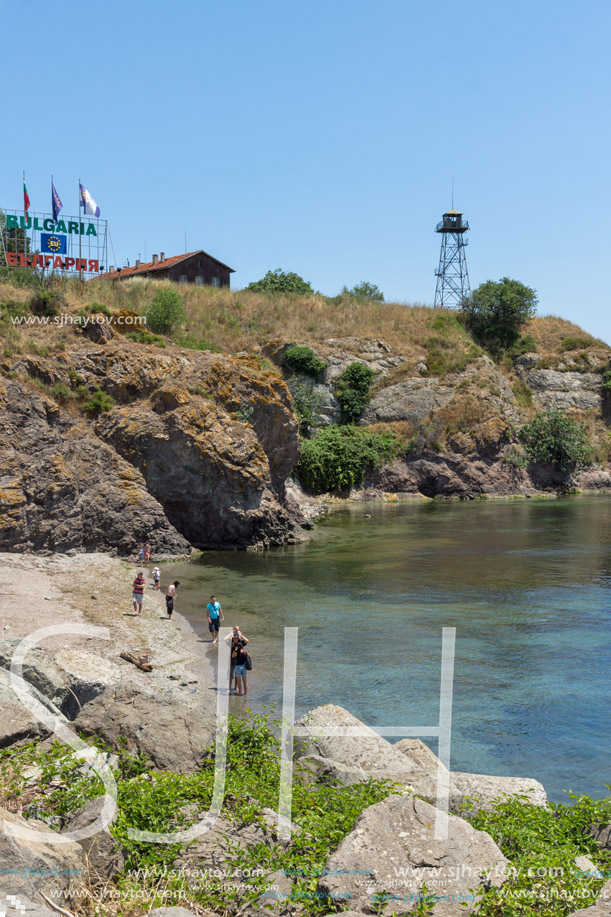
point(235, 638)
point(215, 616)
point(169, 599)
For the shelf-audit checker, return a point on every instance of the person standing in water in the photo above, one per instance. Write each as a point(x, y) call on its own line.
point(234, 639)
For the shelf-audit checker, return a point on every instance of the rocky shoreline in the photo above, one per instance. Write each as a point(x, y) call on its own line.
point(166, 718)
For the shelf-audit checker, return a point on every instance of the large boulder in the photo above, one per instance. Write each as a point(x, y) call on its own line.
point(89, 674)
point(601, 908)
point(373, 754)
point(17, 723)
point(30, 866)
point(43, 673)
point(102, 853)
point(172, 736)
point(392, 850)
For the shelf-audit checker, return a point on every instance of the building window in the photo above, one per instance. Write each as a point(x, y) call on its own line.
point(182, 278)
point(199, 281)
point(215, 282)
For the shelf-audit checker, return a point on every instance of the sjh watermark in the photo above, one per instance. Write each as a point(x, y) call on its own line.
point(290, 730)
point(66, 319)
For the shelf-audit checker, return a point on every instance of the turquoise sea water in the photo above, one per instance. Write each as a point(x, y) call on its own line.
point(525, 583)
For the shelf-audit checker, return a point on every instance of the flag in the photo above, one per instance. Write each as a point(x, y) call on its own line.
point(88, 204)
point(50, 242)
point(56, 203)
point(26, 199)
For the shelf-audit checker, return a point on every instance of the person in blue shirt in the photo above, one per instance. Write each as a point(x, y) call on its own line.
point(215, 616)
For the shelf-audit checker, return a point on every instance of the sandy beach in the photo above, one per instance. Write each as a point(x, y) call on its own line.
point(37, 592)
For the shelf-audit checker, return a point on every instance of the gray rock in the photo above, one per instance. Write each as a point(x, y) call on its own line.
point(419, 753)
point(103, 856)
point(369, 751)
point(392, 850)
point(601, 833)
point(481, 790)
point(171, 912)
point(601, 908)
point(173, 737)
point(22, 906)
point(333, 773)
point(29, 866)
point(89, 674)
point(413, 399)
point(585, 864)
point(527, 361)
point(563, 390)
point(44, 674)
point(17, 723)
point(595, 479)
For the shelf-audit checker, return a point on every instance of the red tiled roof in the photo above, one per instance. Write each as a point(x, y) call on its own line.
point(149, 266)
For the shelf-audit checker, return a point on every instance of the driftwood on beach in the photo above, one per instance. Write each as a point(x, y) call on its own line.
point(145, 666)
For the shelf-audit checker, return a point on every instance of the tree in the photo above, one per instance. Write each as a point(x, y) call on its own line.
point(555, 438)
point(15, 240)
point(352, 391)
point(364, 290)
point(165, 312)
point(280, 281)
point(495, 312)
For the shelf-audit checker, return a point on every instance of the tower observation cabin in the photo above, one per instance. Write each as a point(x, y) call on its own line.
point(452, 274)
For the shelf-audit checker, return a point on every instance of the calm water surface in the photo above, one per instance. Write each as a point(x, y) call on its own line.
point(526, 584)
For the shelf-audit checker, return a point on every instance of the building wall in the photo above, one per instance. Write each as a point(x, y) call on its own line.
point(200, 269)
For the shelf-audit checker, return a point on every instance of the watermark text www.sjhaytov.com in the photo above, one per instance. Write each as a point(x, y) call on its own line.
point(59, 321)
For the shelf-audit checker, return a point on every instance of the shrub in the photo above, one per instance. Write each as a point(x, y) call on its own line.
point(280, 281)
point(495, 312)
point(10, 308)
point(47, 302)
point(99, 402)
point(554, 437)
point(352, 391)
point(165, 312)
point(364, 290)
point(192, 341)
point(338, 458)
point(143, 337)
point(575, 343)
point(522, 393)
point(307, 404)
point(61, 392)
point(525, 344)
point(96, 308)
point(303, 360)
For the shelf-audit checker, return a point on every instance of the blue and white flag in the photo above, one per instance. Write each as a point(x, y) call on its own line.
point(55, 202)
point(88, 204)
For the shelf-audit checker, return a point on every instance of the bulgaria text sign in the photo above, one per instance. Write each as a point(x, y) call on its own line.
point(39, 242)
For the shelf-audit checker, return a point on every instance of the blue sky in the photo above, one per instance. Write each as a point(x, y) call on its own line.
point(322, 137)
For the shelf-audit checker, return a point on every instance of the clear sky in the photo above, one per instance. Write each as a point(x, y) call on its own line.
point(323, 136)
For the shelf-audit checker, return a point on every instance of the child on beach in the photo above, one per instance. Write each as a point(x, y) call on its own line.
point(156, 578)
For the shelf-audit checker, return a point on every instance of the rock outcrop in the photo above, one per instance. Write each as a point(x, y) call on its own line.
point(170, 735)
point(392, 852)
point(602, 907)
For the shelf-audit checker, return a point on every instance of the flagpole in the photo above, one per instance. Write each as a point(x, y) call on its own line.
point(80, 270)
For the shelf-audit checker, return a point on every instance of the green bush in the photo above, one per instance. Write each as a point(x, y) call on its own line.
point(61, 392)
point(10, 308)
point(495, 312)
point(575, 343)
point(524, 344)
point(338, 458)
point(95, 308)
point(191, 341)
point(165, 312)
point(280, 281)
point(307, 404)
point(364, 290)
point(542, 843)
point(99, 402)
point(47, 302)
point(555, 438)
point(303, 360)
point(352, 391)
point(143, 337)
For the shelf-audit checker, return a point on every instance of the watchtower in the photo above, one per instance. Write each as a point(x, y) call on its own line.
point(452, 273)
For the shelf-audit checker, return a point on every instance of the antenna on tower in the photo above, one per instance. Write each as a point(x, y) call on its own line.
point(452, 274)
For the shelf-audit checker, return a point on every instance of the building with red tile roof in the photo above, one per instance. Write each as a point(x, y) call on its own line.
point(197, 267)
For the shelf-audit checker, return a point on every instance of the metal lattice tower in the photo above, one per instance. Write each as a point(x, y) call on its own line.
point(452, 273)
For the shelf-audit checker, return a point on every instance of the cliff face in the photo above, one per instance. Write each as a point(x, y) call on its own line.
point(196, 451)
